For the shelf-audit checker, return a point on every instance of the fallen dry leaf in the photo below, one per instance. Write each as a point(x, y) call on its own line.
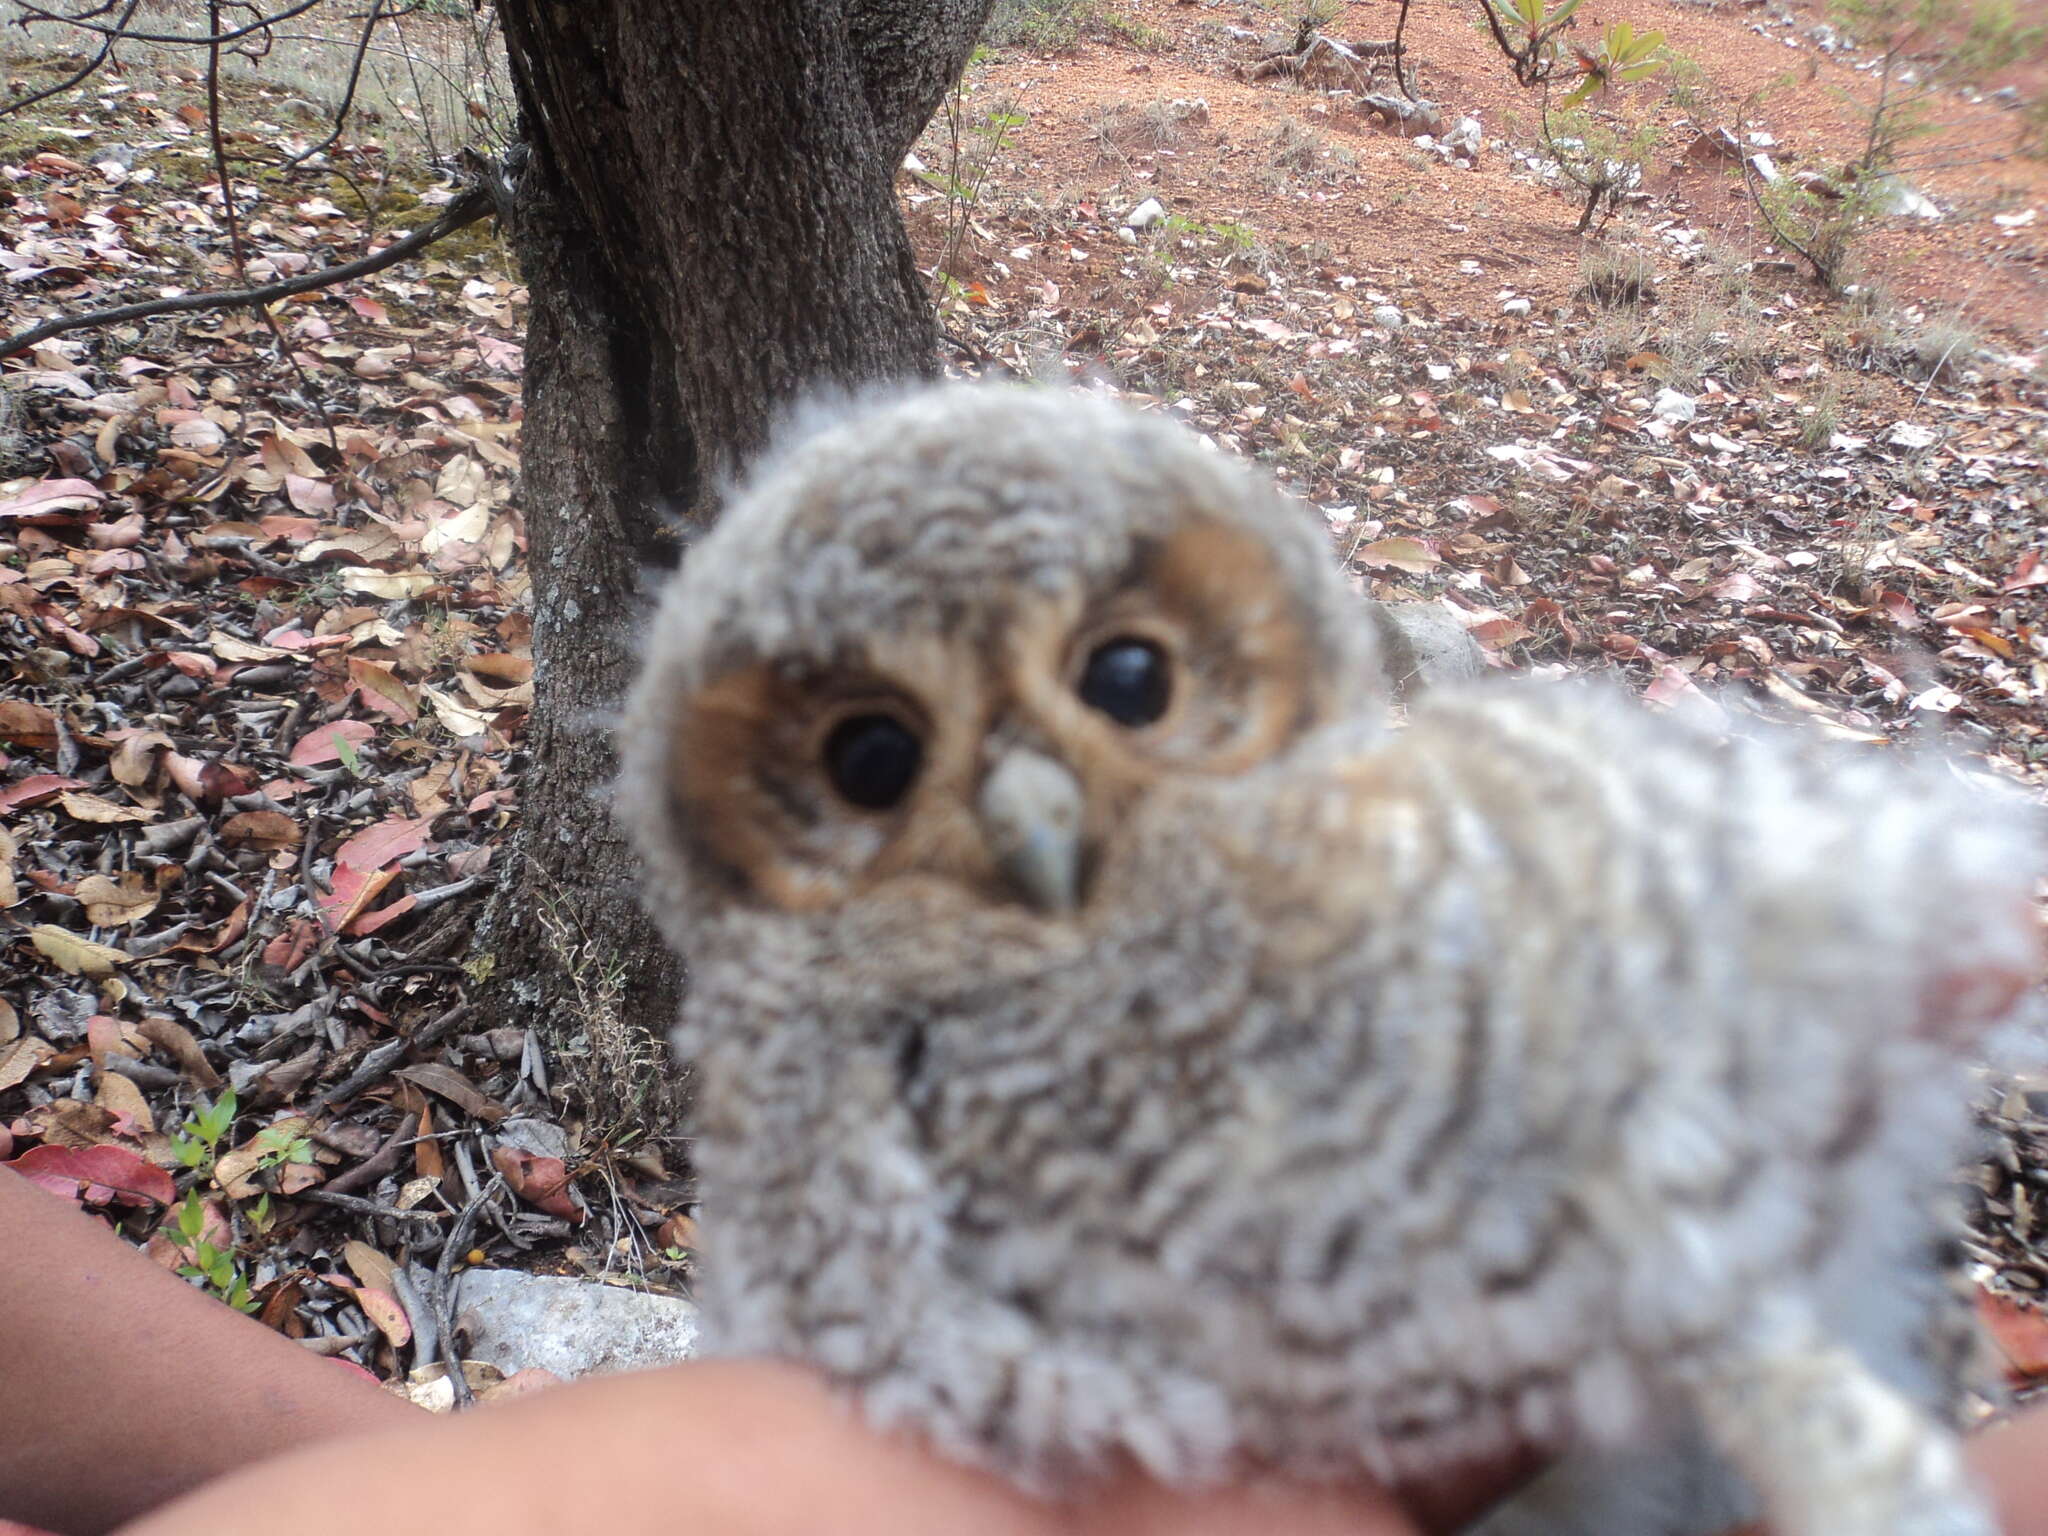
point(68, 952)
point(319, 745)
point(115, 903)
point(542, 1182)
point(95, 1175)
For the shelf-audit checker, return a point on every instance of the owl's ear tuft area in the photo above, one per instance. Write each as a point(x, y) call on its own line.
point(1248, 644)
point(725, 749)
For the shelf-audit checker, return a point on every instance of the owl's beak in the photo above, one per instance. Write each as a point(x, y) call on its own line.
point(1030, 809)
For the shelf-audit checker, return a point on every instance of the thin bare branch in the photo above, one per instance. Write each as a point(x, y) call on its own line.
point(1400, 53)
point(120, 32)
point(106, 52)
point(475, 203)
point(348, 96)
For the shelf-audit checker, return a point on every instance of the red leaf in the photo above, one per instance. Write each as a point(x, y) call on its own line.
point(35, 789)
point(2032, 571)
point(288, 949)
point(2021, 1333)
point(385, 843)
point(53, 496)
point(317, 746)
point(310, 496)
point(542, 1182)
point(354, 890)
point(370, 922)
point(95, 1174)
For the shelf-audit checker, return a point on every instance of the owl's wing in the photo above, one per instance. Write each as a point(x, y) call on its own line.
point(1552, 836)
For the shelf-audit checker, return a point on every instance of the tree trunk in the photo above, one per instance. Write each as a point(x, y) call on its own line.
point(707, 225)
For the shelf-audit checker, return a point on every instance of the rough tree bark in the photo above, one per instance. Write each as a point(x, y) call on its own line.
point(707, 223)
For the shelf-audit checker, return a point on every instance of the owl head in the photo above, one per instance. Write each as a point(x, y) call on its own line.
point(939, 653)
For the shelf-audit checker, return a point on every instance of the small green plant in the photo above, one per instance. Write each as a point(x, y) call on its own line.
point(1600, 155)
point(1599, 151)
point(1824, 419)
point(1622, 55)
point(1311, 17)
point(1686, 86)
point(1616, 277)
point(1530, 33)
point(1921, 50)
point(197, 1146)
point(213, 1266)
point(197, 1142)
point(278, 1147)
point(1819, 221)
point(1130, 32)
point(351, 759)
point(972, 151)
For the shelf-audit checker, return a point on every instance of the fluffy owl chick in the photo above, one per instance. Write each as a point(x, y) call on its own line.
point(1111, 1042)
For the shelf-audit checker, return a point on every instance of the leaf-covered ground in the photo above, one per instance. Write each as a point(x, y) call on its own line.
point(262, 594)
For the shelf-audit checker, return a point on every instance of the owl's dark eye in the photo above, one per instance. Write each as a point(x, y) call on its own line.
point(1127, 680)
point(873, 760)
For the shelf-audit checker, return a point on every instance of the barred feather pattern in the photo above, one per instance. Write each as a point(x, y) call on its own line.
point(1542, 1073)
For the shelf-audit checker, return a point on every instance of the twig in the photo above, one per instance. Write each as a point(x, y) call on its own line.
point(177, 39)
point(372, 1168)
point(106, 51)
point(440, 1301)
point(220, 148)
point(475, 203)
point(374, 1065)
point(432, 1033)
point(234, 223)
point(348, 95)
point(363, 1207)
point(1401, 53)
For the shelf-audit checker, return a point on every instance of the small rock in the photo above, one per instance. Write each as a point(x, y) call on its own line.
point(1672, 406)
point(1465, 137)
point(1128, 235)
point(913, 165)
point(1145, 215)
point(1766, 168)
point(1714, 144)
point(2007, 96)
point(1388, 315)
point(1424, 646)
point(571, 1327)
point(1896, 195)
point(1517, 307)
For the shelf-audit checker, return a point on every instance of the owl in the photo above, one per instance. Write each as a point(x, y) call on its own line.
point(1114, 1043)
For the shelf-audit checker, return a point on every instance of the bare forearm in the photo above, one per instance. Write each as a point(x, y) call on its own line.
point(125, 1387)
point(721, 1448)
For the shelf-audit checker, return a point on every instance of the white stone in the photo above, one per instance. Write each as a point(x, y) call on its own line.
point(1517, 307)
point(569, 1326)
point(1672, 406)
point(1896, 195)
point(1145, 215)
point(1388, 315)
